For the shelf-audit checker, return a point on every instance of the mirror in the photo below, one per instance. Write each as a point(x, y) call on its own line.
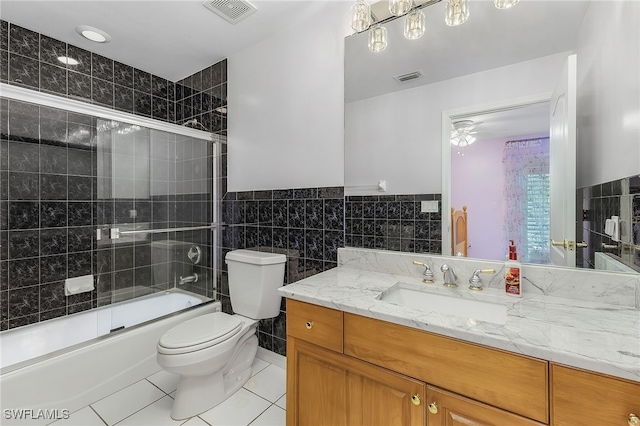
point(397, 132)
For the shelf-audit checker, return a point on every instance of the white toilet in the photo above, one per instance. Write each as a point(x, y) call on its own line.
point(213, 353)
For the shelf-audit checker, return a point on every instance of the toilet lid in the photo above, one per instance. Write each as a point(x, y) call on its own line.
point(213, 328)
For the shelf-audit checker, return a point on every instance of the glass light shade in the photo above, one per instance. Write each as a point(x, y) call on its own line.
point(378, 38)
point(414, 25)
point(457, 12)
point(505, 4)
point(400, 7)
point(361, 19)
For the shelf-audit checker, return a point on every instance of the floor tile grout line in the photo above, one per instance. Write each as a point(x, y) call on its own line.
point(137, 411)
point(252, 421)
point(97, 414)
point(159, 388)
point(249, 390)
point(256, 417)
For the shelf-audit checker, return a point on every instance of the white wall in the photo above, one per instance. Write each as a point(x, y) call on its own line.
point(286, 106)
point(397, 136)
point(608, 93)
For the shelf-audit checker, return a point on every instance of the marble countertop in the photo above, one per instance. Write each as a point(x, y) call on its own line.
point(600, 337)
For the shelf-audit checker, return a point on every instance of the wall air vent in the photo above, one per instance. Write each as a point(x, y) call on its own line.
point(410, 76)
point(233, 11)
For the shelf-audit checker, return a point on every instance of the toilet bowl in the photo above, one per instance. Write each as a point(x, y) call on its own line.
point(213, 353)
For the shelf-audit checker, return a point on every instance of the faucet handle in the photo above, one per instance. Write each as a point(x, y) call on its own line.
point(475, 281)
point(427, 275)
point(449, 276)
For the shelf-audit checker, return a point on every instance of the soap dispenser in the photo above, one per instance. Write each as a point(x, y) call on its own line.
point(512, 285)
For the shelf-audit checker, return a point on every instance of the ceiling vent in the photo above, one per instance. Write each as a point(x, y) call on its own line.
point(410, 76)
point(233, 11)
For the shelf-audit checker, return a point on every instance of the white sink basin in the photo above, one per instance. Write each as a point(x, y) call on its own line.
point(404, 294)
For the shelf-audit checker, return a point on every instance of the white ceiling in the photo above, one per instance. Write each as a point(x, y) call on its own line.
point(491, 38)
point(171, 39)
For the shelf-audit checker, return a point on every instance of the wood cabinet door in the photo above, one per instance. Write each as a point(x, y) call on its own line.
point(328, 388)
point(449, 409)
point(379, 397)
point(316, 386)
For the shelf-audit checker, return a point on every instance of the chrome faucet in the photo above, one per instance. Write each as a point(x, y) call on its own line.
point(475, 282)
point(427, 275)
point(449, 276)
point(190, 279)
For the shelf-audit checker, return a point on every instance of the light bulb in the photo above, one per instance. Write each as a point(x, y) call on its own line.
point(505, 4)
point(414, 25)
point(457, 12)
point(361, 16)
point(400, 7)
point(378, 38)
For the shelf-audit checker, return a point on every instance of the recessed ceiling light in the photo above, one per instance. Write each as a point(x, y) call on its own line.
point(93, 34)
point(67, 60)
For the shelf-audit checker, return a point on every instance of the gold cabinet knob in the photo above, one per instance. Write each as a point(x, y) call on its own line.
point(633, 420)
point(433, 408)
point(309, 324)
point(415, 399)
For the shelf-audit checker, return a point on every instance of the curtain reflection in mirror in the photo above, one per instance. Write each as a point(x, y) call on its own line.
point(526, 193)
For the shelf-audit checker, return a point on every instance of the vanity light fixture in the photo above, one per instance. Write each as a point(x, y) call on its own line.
point(457, 13)
point(93, 34)
point(361, 19)
point(378, 38)
point(414, 25)
point(505, 4)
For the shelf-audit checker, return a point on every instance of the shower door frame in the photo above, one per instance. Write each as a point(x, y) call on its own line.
point(44, 99)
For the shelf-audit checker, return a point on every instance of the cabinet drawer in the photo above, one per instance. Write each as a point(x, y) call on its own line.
point(515, 383)
point(316, 324)
point(581, 397)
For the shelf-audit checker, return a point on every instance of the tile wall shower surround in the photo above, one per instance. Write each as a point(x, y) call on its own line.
point(596, 204)
point(29, 59)
point(597, 336)
point(393, 222)
point(49, 203)
point(306, 224)
point(579, 284)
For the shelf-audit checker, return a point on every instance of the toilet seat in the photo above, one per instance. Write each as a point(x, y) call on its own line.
point(199, 333)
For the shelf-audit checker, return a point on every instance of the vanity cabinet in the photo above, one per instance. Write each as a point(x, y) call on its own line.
point(505, 380)
point(583, 397)
point(346, 369)
point(325, 387)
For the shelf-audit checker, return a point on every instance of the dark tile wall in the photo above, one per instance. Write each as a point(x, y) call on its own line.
point(29, 59)
point(597, 203)
point(48, 193)
point(306, 224)
point(393, 222)
point(48, 177)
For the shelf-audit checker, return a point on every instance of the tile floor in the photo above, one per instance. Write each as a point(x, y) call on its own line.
point(261, 402)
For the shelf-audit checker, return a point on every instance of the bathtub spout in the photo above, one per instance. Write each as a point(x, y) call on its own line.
point(190, 279)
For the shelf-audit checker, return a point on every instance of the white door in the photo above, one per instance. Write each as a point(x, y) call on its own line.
point(562, 167)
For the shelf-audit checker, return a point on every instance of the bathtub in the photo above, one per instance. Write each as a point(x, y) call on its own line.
point(70, 362)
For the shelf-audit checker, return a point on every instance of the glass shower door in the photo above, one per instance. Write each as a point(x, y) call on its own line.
point(155, 192)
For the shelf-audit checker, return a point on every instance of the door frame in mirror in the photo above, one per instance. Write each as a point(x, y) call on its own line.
point(459, 113)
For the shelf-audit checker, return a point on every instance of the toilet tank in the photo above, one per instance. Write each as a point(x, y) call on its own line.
point(254, 278)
